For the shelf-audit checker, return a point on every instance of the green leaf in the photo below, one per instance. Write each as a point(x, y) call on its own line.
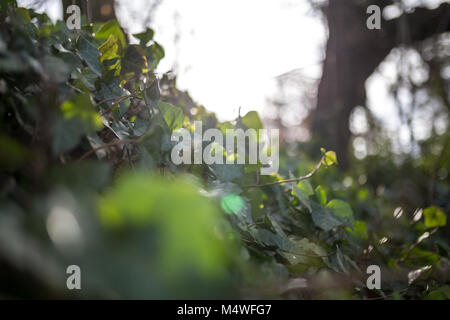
point(56, 69)
point(252, 121)
point(359, 230)
point(66, 134)
point(134, 61)
point(90, 54)
point(155, 54)
point(419, 257)
point(88, 78)
point(330, 158)
point(442, 293)
point(290, 246)
point(263, 236)
point(78, 117)
point(152, 92)
point(436, 295)
point(23, 15)
point(173, 115)
point(341, 209)
point(307, 245)
point(276, 226)
point(110, 50)
point(82, 109)
point(321, 195)
point(434, 217)
point(110, 28)
point(185, 223)
point(305, 188)
point(13, 154)
point(324, 218)
point(144, 37)
point(302, 196)
point(71, 60)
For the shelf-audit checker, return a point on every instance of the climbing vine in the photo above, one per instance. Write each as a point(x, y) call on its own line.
point(87, 179)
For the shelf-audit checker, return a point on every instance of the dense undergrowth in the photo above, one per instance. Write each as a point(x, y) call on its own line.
point(87, 179)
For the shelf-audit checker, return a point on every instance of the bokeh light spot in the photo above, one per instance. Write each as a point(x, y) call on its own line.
point(232, 203)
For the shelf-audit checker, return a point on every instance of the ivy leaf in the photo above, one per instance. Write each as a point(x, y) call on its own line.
point(434, 217)
point(188, 240)
point(263, 236)
point(173, 115)
point(56, 69)
point(152, 93)
point(71, 60)
point(155, 54)
point(305, 188)
point(134, 61)
point(310, 247)
point(324, 218)
point(78, 117)
point(110, 28)
point(252, 120)
point(23, 15)
point(144, 37)
point(13, 154)
point(321, 195)
point(442, 293)
point(90, 54)
point(290, 246)
point(110, 51)
point(281, 200)
point(330, 157)
point(66, 135)
point(359, 230)
point(82, 109)
point(341, 209)
point(276, 226)
point(88, 78)
point(302, 196)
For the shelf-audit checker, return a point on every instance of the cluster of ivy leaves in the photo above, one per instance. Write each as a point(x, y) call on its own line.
point(87, 179)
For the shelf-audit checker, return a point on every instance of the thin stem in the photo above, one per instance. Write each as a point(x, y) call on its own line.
point(296, 253)
point(411, 248)
point(117, 99)
point(309, 175)
point(107, 145)
point(308, 255)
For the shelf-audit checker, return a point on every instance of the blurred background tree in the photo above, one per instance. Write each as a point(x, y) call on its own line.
point(95, 10)
point(353, 53)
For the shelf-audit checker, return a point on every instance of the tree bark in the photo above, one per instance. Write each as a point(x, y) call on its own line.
point(94, 10)
point(353, 53)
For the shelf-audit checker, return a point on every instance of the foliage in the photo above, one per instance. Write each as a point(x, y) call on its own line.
point(87, 179)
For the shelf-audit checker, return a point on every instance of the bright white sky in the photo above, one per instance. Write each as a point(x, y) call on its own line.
point(227, 53)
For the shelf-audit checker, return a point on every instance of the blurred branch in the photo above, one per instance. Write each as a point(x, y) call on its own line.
point(423, 23)
point(107, 145)
point(410, 249)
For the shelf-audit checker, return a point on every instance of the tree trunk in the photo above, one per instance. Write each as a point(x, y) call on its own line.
point(94, 10)
point(353, 53)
